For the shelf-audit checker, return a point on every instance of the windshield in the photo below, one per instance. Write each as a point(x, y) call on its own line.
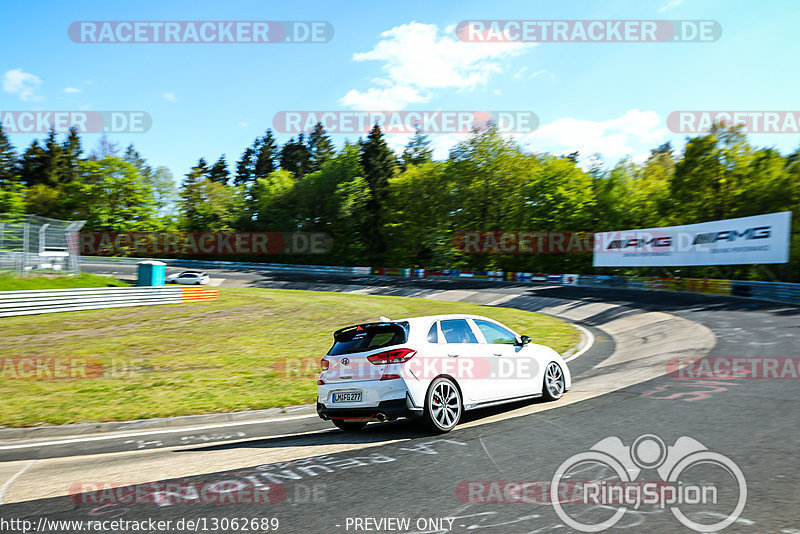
point(366, 337)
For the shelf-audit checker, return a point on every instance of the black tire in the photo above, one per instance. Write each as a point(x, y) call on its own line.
point(443, 406)
point(553, 384)
point(348, 426)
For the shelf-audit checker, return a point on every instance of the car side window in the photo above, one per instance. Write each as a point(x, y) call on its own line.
point(433, 334)
point(457, 331)
point(495, 334)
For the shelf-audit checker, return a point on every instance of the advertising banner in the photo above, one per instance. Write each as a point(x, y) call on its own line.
point(760, 239)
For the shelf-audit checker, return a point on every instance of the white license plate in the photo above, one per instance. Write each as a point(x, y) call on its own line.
point(347, 396)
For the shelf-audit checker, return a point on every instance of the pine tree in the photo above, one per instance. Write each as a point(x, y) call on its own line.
point(33, 165)
point(9, 166)
point(320, 148)
point(193, 196)
point(379, 165)
point(418, 150)
point(54, 160)
point(245, 168)
point(71, 151)
point(266, 153)
point(295, 157)
point(219, 171)
point(11, 189)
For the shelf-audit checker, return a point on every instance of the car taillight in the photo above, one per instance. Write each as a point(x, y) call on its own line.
point(391, 356)
point(320, 382)
point(325, 364)
point(390, 377)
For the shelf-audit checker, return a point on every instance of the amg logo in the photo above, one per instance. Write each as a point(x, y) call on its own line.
point(636, 243)
point(759, 232)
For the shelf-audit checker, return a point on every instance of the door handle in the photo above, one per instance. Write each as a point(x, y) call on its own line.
point(497, 354)
point(453, 355)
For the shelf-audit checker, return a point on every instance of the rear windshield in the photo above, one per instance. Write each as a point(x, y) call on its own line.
point(361, 338)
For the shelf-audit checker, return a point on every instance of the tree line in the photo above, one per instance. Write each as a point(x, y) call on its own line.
point(382, 209)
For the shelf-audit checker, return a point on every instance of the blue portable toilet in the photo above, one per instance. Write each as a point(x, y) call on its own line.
point(151, 273)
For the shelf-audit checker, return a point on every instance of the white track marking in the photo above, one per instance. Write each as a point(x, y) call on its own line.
point(589, 343)
point(12, 479)
point(150, 432)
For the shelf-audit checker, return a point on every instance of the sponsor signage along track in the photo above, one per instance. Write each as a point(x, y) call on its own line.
point(760, 239)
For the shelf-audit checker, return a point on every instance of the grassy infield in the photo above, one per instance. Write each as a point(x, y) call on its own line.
point(251, 349)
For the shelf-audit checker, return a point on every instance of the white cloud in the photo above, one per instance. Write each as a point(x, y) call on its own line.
point(23, 84)
point(388, 99)
point(243, 124)
point(632, 134)
point(521, 72)
point(417, 61)
point(669, 5)
point(170, 97)
point(72, 90)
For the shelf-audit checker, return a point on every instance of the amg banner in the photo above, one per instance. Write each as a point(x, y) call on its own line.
point(746, 240)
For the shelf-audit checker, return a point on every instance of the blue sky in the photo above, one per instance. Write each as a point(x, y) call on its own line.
point(209, 99)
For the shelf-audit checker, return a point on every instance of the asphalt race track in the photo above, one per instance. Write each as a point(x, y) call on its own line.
point(394, 478)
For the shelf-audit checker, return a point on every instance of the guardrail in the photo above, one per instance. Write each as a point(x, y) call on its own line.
point(774, 291)
point(213, 264)
point(33, 302)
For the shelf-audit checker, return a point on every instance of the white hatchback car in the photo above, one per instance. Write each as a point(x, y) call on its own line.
point(433, 368)
point(187, 278)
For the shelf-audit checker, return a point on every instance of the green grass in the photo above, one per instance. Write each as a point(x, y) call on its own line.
point(240, 352)
point(12, 283)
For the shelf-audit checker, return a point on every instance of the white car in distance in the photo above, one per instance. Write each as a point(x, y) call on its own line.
point(188, 278)
point(434, 368)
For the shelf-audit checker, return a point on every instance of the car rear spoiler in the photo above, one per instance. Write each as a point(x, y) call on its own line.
point(343, 332)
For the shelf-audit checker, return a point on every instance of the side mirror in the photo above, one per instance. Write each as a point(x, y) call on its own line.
point(525, 340)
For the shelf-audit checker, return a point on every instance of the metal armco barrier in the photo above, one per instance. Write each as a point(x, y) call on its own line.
point(58, 300)
point(776, 291)
point(781, 292)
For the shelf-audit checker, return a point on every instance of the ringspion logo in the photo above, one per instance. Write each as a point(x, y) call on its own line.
point(695, 483)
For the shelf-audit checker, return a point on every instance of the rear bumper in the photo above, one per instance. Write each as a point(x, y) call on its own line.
point(384, 411)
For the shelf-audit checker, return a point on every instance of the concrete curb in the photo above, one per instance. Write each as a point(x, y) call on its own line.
point(81, 429)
